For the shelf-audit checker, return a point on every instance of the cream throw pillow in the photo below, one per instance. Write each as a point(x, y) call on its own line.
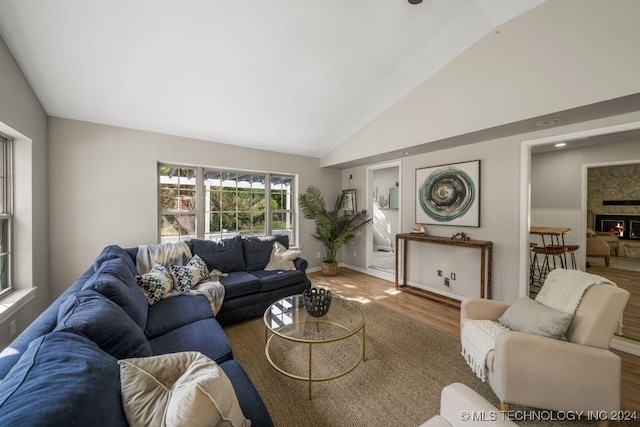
point(178, 389)
point(282, 258)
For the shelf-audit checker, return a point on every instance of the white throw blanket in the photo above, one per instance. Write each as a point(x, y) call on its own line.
point(179, 253)
point(164, 254)
point(213, 290)
point(563, 290)
point(478, 338)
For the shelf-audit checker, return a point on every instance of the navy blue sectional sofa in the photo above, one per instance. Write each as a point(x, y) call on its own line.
point(63, 370)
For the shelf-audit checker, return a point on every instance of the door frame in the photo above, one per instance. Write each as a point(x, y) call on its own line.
point(369, 206)
point(525, 203)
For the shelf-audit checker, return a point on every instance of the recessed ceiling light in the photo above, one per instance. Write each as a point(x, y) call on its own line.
point(560, 144)
point(547, 123)
point(415, 1)
point(404, 153)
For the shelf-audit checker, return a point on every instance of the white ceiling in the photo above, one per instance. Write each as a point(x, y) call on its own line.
point(296, 76)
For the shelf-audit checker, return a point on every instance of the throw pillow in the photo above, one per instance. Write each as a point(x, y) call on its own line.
point(282, 258)
point(257, 250)
point(187, 276)
point(155, 284)
point(178, 389)
point(103, 322)
point(224, 255)
point(591, 233)
point(531, 317)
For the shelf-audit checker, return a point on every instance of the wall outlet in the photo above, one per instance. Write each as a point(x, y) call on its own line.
point(446, 282)
point(318, 255)
point(355, 254)
point(12, 328)
point(453, 276)
point(439, 273)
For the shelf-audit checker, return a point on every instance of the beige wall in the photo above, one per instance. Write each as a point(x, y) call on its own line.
point(557, 56)
point(23, 118)
point(500, 204)
point(556, 178)
point(103, 187)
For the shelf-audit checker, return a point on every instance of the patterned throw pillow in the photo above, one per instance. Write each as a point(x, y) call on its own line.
point(155, 284)
point(188, 276)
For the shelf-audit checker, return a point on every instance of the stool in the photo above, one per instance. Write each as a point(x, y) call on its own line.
point(553, 251)
point(571, 250)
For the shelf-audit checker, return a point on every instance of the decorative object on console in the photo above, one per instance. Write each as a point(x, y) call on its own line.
point(316, 301)
point(418, 229)
point(460, 236)
point(449, 194)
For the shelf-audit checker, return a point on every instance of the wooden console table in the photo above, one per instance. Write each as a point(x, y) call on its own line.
point(486, 255)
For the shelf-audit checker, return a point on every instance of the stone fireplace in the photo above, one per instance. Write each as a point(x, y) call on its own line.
point(613, 202)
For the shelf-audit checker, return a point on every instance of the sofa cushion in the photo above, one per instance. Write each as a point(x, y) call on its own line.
point(114, 280)
point(180, 389)
point(176, 311)
point(115, 251)
point(105, 323)
point(271, 280)
point(257, 250)
point(187, 276)
point(63, 379)
point(531, 317)
point(205, 336)
point(155, 284)
point(239, 283)
point(282, 258)
point(225, 255)
point(251, 403)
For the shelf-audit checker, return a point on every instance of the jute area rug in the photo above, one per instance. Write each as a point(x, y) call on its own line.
point(407, 365)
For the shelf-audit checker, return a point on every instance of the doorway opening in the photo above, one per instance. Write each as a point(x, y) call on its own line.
point(600, 136)
point(384, 202)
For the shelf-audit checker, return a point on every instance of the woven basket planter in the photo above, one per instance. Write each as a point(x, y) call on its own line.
point(330, 268)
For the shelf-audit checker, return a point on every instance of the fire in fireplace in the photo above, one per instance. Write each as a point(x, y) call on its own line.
point(623, 226)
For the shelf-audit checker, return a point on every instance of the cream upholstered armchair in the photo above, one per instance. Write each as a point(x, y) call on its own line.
point(600, 244)
point(579, 374)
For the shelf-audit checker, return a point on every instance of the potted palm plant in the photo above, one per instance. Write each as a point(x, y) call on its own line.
point(333, 227)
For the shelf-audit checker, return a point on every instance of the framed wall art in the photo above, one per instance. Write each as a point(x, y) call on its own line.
point(449, 194)
point(350, 207)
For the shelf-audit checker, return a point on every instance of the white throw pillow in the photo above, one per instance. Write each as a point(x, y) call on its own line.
point(282, 258)
point(178, 389)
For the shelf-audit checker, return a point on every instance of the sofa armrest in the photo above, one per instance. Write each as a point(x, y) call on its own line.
point(588, 376)
point(457, 400)
point(301, 264)
point(481, 309)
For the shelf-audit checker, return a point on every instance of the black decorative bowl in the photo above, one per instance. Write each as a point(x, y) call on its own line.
point(316, 301)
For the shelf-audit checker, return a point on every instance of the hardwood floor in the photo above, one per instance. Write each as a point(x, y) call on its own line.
point(630, 281)
point(447, 319)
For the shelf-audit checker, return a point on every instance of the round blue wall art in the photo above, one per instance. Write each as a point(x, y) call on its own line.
point(447, 194)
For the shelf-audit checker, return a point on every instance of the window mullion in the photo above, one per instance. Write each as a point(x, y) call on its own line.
point(200, 203)
point(267, 203)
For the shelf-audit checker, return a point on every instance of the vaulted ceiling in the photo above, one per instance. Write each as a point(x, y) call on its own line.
point(283, 75)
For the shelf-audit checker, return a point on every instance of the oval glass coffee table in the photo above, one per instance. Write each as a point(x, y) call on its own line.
point(288, 320)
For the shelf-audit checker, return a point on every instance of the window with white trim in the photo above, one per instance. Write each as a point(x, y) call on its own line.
point(215, 203)
point(6, 280)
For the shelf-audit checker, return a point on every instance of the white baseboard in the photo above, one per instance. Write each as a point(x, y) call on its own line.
point(389, 277)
